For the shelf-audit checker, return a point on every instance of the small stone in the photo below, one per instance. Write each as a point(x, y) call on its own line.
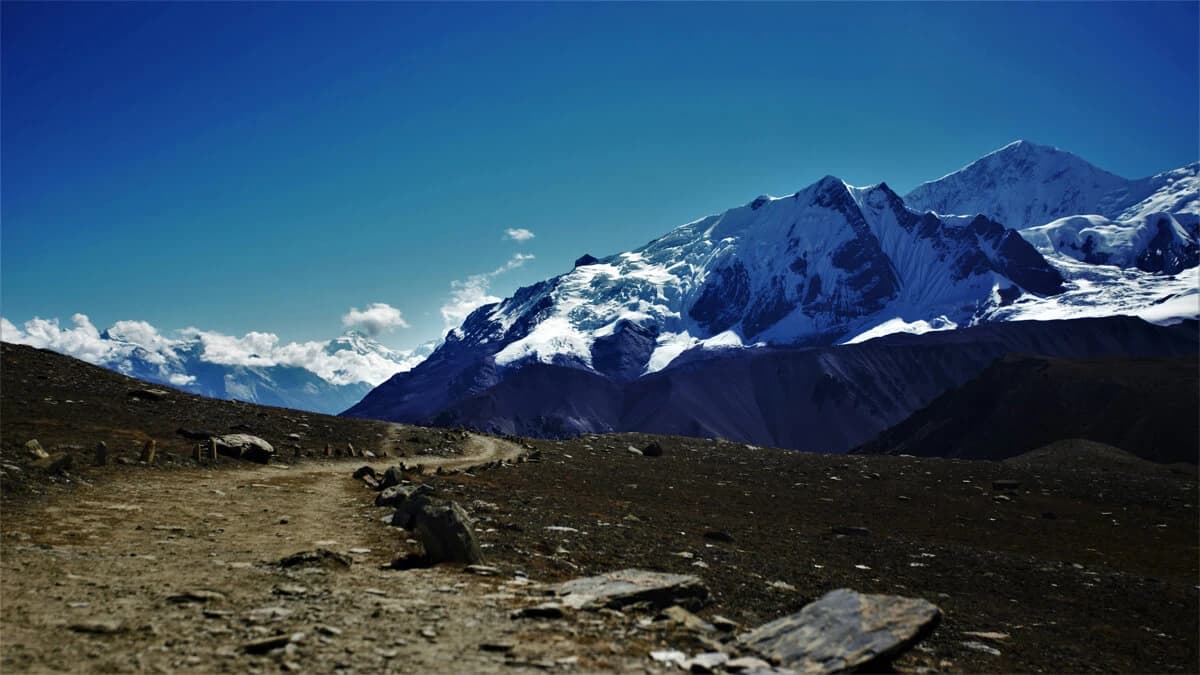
point(483, 570)
point(706, 662)
point(747, 663)
point(546, 610)
point(428, 632)
point(35, 449)
point(274, 642)
point(980, 647)
point(723, 624)
point(328, 630)
point(97, 626)
point(627, 587)
point(851, 531)
point(687, 620)
point(320, 557)
point(986, 635)
point(634, 451)
point(498, 646)
point(198, 596)
point(669, 656)
point(1008, 485)
point(781, 586)
point(290, 589)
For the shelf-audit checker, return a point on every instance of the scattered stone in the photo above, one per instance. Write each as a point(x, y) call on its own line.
point(747, 663)
point(986, 635)
point(54, 464)
point(687, 620)
point(634, 451)
point(321, 557)
point(627, 587)
point(706, 662)
point(396, 495)
point(845, 630)
point(484, 570)
point(274, 642)
point(216, 613)
point(199, 596)
point(243, 446)
point(364, 471)
point(290, 589)
point(360, 551)
point(717, 535)
point(980, 647)
point(1006, 485)
point(560, 528)
point(781, 586)
point(97, 627)
point(36, 450)
point(669, 656)
point(851, 531)
point(653, 449)
point(148, 394)
point(724, 624)
point(498, 646)
point(546, 610)
point(328, 630)
point(428, 632)
point(393, 476)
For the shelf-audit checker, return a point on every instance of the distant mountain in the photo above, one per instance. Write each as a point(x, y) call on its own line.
point(323, 377)
point(1020, 403)
point(1062, 204)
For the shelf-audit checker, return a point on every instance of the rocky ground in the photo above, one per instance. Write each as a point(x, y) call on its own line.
point(1077, 566)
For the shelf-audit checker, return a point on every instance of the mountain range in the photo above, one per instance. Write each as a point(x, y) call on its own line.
point(646, 340)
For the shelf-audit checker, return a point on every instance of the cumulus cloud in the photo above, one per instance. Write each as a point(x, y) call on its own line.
point(467, 295)
point(139, 349)
point(376, 318)
point(518, 234)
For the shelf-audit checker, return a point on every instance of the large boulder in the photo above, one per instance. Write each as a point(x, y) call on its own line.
point(622, 588)
point(244, 446)
point(444, 529)
point(845, 631)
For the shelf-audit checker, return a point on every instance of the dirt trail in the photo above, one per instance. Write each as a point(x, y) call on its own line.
point(112, 555)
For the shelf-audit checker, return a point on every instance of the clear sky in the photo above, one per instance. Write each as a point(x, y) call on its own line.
point(242, 166)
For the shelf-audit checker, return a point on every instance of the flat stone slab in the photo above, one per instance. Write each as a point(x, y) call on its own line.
point(844, 631)
point(622, 588)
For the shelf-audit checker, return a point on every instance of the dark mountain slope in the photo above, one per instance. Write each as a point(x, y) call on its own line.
point(1144, 406)
point(827, 399)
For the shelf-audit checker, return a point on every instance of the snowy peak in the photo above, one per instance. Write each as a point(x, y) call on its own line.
point(1022, 185)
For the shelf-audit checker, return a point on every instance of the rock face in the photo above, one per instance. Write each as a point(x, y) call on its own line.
point(633, 587)
point(845, 631)
point(244, 446)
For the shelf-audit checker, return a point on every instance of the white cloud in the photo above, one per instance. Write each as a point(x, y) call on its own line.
point(139, 349)
point(467, 295)
point(518, 234)
point(375, 319)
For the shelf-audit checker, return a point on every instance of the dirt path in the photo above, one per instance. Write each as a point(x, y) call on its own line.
point(88, 581)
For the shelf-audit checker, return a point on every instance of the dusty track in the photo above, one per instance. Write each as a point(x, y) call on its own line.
point(115, 552)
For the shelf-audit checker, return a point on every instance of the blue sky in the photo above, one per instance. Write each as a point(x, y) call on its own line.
point(241, 167)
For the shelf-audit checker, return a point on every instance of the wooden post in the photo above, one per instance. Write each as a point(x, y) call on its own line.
point(212, 450)
point(350, 449)
point(101, 453)
point(148, 451)
point(198, 452)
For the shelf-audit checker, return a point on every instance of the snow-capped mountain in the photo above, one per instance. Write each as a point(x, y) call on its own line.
point(1064, 205)
point(324, 377)
point(826, 265)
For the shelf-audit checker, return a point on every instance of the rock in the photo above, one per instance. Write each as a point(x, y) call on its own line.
point(546, 610)
point(687, 620)
point(498, 646)
point(747, 663)
point(396, 495)
point(406, 513)
point(781, 586)
point(980, 647)
point(97, 627)
point(669, 656)
point(484, 570)
point(56, 463)
point(101, 457)
point(244, 446)
point(393, 476)
point(634, 451)
point(1006, 485)
point(652, 449)
point(986, 635)
point(851, 531)
point(148, 394)
point(723, 624)
point(196, 434)
point(705, 663)
point(274, 642)
point(446, 533)
point(200, 596)
point(320, 557)
point(364, 471)
point(585, 260)
point(293, 437)
point(844, 630)
point(36, 450)
point(627, 587)
point(717, 535)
